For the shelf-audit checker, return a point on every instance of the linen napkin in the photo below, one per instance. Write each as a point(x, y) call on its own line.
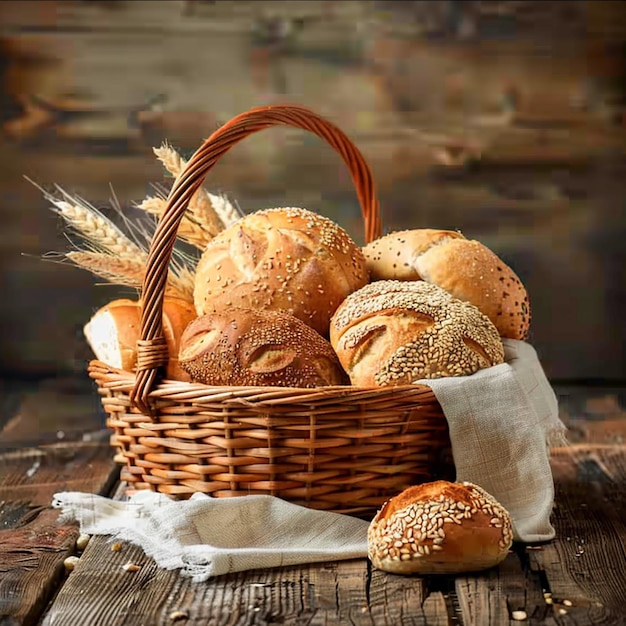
point(501, 421)
point(206, 536)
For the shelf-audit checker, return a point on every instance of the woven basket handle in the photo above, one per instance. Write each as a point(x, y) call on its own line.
point(151, 348)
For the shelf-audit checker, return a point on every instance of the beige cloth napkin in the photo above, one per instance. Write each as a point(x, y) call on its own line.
point(501, 420)
point(206, 536)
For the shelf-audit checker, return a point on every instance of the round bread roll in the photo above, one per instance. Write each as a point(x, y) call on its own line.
point(113, 331)
point(440, 528)
point(394, 256)
point(393, 332)
point(466, 268)
point(246, 347)
point(280, 259)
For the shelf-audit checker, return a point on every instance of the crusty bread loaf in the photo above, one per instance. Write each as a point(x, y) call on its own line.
point(280, 259)
point(113, 331)
point(393, 332)
point(440, 528)
point(244, 347)
point(466, 268)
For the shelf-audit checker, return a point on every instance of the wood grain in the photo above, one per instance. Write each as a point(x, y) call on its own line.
point(492, 596)
point(33, 545)
point(55, 410)
point(581, 569)
point(333, 593)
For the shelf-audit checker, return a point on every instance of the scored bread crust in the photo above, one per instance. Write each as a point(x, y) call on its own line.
point(440, 528)
point(396, 332)
point(285, 259)
point(244, 347)
point(466, 268)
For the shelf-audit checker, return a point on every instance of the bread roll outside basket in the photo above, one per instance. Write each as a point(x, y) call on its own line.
point(343, 449)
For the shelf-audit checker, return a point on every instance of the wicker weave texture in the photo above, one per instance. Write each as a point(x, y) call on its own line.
point(333, 448)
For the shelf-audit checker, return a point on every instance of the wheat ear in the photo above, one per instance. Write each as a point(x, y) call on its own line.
point(227, 212)
point(204, 207)
point(130, 272)
point(97, 230)
point(188, 230)
point(200, 209)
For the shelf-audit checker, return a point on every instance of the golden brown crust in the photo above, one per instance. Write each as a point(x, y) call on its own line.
point(393, 256)
point(114, 340)
point(466, 268)
point(244, 347)
point(396, 332)
point(440, 528)
point(470, 271)
point(280, 259)
point(114, 329)
point(177, 315)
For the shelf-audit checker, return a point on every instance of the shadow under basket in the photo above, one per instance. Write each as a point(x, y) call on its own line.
point(342, 449)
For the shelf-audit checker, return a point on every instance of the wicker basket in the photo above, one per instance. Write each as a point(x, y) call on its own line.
point(343, 449)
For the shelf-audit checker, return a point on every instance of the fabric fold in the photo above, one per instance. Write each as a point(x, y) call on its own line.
point(502, 421)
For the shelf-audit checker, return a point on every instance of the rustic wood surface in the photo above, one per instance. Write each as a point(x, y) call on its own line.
point(33, 545)
point(576, 579)
point(582, 569)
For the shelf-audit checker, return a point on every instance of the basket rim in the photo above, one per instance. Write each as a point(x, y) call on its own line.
point(116, 379)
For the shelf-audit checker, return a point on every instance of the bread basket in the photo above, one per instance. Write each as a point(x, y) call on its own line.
point(342, 449)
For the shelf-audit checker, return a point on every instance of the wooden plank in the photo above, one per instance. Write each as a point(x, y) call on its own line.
point(344, 592)
point(108, 594)
point(100, 591)
point(34, 475)
point(583, 569)
point(154, 16)
point(347, 592)
point(48, 411)
point(33, 545)
point(31, 566)
point(491, 597)
point(593, 415)
point(586, 589)
point(584, 463)
point(405, 600)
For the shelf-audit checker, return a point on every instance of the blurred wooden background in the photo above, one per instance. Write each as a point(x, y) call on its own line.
point(505, 120)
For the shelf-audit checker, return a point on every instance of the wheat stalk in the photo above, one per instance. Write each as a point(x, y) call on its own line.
point(130, 272)
point(188, 230)
point(200, 210)
point(99, 231)
point(113, 255)
point(205, 208)
point(113, 269)
point(227, 212)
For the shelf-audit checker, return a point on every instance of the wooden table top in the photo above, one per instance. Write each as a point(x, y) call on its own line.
point(578, 578)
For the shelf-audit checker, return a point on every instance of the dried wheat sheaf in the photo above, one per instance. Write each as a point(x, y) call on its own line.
point(114, 247)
